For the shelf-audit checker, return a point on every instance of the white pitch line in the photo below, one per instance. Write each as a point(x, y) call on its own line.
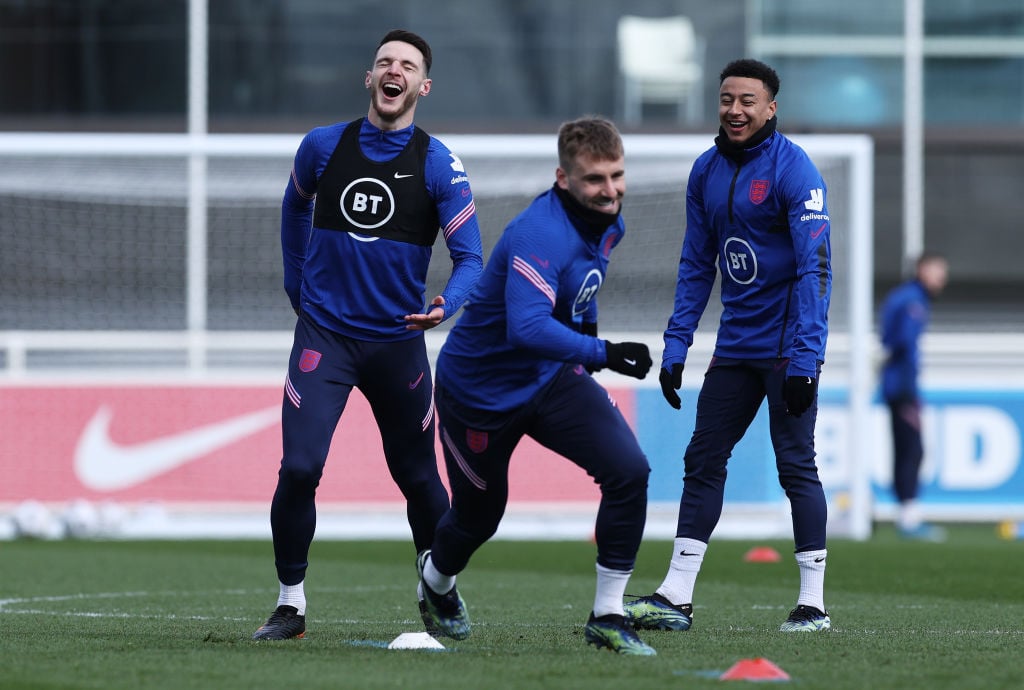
point(6, 604)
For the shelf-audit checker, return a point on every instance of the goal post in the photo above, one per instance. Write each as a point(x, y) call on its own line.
point(161, 252)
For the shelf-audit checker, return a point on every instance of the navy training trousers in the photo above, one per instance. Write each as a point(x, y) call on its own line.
point(729, 399)
point(395, 378)
point(575, 417)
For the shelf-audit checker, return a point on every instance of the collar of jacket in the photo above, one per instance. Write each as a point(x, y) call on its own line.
point(743, 152)
point(588, 222)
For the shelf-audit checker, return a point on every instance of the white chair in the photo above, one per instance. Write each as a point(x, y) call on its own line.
point(661, 60)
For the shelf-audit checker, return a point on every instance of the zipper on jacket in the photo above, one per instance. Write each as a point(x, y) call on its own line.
point(732, 188)
point(785, 320)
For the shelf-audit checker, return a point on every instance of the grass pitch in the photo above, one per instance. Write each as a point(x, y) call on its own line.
point(180, 614)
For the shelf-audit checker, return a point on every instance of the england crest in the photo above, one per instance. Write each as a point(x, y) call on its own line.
point(476, 440)
point(758, 191)
point(308, 360)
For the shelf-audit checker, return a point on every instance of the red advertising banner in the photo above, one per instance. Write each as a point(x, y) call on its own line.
point(210, 444)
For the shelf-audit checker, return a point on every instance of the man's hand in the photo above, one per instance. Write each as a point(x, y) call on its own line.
point(631, 359)
point(799, 392)
point(671, 381)
point(423, 322)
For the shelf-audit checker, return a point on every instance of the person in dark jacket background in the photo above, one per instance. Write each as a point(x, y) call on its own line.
point(903, 320)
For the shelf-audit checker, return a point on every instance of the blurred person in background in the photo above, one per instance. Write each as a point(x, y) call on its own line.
point(360, 214)
point(517, 364)
point(902, 321)
point(756, 212)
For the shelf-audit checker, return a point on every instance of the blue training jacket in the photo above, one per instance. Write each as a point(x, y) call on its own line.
point(766, 222)
point(521, 323)
point(903, 318)
point(363, 287)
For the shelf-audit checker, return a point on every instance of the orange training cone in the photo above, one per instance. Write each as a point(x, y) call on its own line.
point(762, 554)
point(754, 669)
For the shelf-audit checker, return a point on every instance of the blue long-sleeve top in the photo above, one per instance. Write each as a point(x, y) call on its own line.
point(760, 218)
point(903, 319)
point(522, 321)
point(363, 287)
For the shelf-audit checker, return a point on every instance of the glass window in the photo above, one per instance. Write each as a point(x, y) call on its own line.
point(973, 17)
point(839, 91)
point(838, 17)
point(973, 91)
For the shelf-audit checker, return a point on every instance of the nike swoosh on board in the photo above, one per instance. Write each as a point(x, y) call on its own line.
point(104, 465)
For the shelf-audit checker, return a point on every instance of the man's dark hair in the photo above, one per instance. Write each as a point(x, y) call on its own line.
point(752, 69)
point(415, 40)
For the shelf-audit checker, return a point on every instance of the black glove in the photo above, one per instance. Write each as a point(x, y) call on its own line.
point(799, 392)
point(670, 382)
point(631, 359)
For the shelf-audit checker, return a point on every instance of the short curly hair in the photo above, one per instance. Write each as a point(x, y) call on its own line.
point(752, 69)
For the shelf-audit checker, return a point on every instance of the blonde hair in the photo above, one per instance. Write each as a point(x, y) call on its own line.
point(592, 135)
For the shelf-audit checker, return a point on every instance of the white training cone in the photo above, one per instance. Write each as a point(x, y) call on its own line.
point(415, 640)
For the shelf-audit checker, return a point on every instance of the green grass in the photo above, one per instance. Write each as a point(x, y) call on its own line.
point(180, 614)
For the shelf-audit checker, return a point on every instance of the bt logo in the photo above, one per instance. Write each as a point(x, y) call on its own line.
point(367, 203)
point(740, 261)
point(588, 289)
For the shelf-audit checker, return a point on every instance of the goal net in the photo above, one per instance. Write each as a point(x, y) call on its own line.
point(162, 252)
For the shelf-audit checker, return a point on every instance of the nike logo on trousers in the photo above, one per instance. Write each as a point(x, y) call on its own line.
point(104, 465)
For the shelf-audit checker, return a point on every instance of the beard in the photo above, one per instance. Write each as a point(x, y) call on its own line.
point(393, 110)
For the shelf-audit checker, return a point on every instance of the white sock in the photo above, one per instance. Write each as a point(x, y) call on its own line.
point(812, 578)
point(909, 515)
point(293, 595)
point(435, 579)
point(683, 570)
point(611, 587)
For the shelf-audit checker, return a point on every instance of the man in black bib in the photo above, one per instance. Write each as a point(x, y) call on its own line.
point(360, 214)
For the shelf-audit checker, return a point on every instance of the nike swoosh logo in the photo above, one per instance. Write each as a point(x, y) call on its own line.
point(399, 176)
point(413, 384)
point(104, 465)
point(683, 553)
point(819, 560)
point(814, 235)
point(630, 362)
point(810, 381)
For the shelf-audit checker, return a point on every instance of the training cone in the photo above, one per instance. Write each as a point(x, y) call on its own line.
point(762, 554)
point(754, 669)
point(415, 640)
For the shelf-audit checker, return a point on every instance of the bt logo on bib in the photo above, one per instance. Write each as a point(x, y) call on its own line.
point(367, 203)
